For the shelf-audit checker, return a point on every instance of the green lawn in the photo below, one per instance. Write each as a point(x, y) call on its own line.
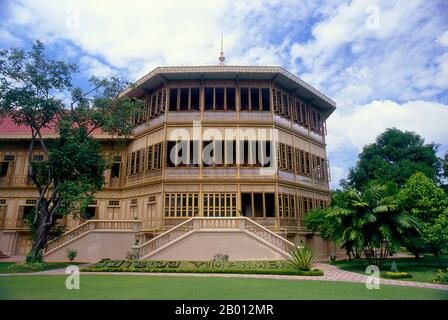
point(197, 288)
point(50, 265)
point(423, 270)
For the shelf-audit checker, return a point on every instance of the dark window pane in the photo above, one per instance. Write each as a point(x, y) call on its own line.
point(194, 103)
point(183, 99)
point(208, 98)
point(244, 97)
point(90, 212)
point(173, 99)
point(246, 204)
point(270, 204)
point(4, 168)
point(258, 204)
point(255, 98)
point(266, 99)
point(115, 170)
point(230, 98)
point(219, 98)
point(285, 105)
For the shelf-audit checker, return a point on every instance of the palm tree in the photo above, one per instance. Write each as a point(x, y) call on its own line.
point(371, 222)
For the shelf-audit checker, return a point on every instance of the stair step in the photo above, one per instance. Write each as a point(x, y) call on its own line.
point(3, 256)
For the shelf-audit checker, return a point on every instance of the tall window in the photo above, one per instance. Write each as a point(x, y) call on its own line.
point(255, 99)
point(219, 98)
point(154, 158)
point(5, 164)
point(155, 104)
point(244, 98)
point(219, 204)
point(208, 98)
point(285, 157)
point(257, 204)
point(182, 99)
point(181, 205)
point(183, 104)
point(266, 99)
point(194, 98)
point(287, 206)
point(230, 98)
point(116, 166)
point(173, 99)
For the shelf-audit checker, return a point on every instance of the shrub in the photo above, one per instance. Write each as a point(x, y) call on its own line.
point(332, 257)
point(315, 272)
point(397, 275)
point(130, 255)
point(441, 277)
point(302, 258)
point(34, 257)
point(28, 266)
point(71, 254)
point(220, 257)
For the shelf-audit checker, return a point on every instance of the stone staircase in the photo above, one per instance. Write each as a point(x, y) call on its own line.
point(91, 226)
point(218, 224)
point(240, 237)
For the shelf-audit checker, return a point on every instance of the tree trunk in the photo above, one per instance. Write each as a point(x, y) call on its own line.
point(41, 231)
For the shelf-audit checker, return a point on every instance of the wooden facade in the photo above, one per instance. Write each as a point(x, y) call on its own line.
point(144, 184)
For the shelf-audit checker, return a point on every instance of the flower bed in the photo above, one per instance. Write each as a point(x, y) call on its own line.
point(396, 275)
point(239, 267)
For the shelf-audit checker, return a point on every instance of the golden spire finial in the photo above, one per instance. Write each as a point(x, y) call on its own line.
point(221, 55)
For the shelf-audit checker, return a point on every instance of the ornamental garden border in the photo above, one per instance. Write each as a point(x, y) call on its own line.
point(212, 266)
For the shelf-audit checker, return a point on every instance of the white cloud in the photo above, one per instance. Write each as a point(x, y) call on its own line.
point(145, 33)
point(443, 39)
point(96, 67)
point(7, 39)
point(362, 126)
point(337, 173)
point(397, 58)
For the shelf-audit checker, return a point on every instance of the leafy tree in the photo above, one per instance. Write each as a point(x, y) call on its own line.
point(427, 202)
point(445, 172)
point(394, 157)
point(30, 86)
point(437, 234)
point(445, 165)
point(317, 221)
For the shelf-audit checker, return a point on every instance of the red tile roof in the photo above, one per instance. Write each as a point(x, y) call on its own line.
point(9, 128)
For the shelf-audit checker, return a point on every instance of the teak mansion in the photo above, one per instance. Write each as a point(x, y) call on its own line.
point(223, 160)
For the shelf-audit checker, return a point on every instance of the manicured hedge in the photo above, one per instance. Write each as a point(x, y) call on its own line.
point(315, 272)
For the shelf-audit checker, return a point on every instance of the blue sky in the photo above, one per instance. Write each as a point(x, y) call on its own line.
point(385, 63)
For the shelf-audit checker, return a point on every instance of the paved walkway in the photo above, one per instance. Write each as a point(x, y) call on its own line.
point(331, 273)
